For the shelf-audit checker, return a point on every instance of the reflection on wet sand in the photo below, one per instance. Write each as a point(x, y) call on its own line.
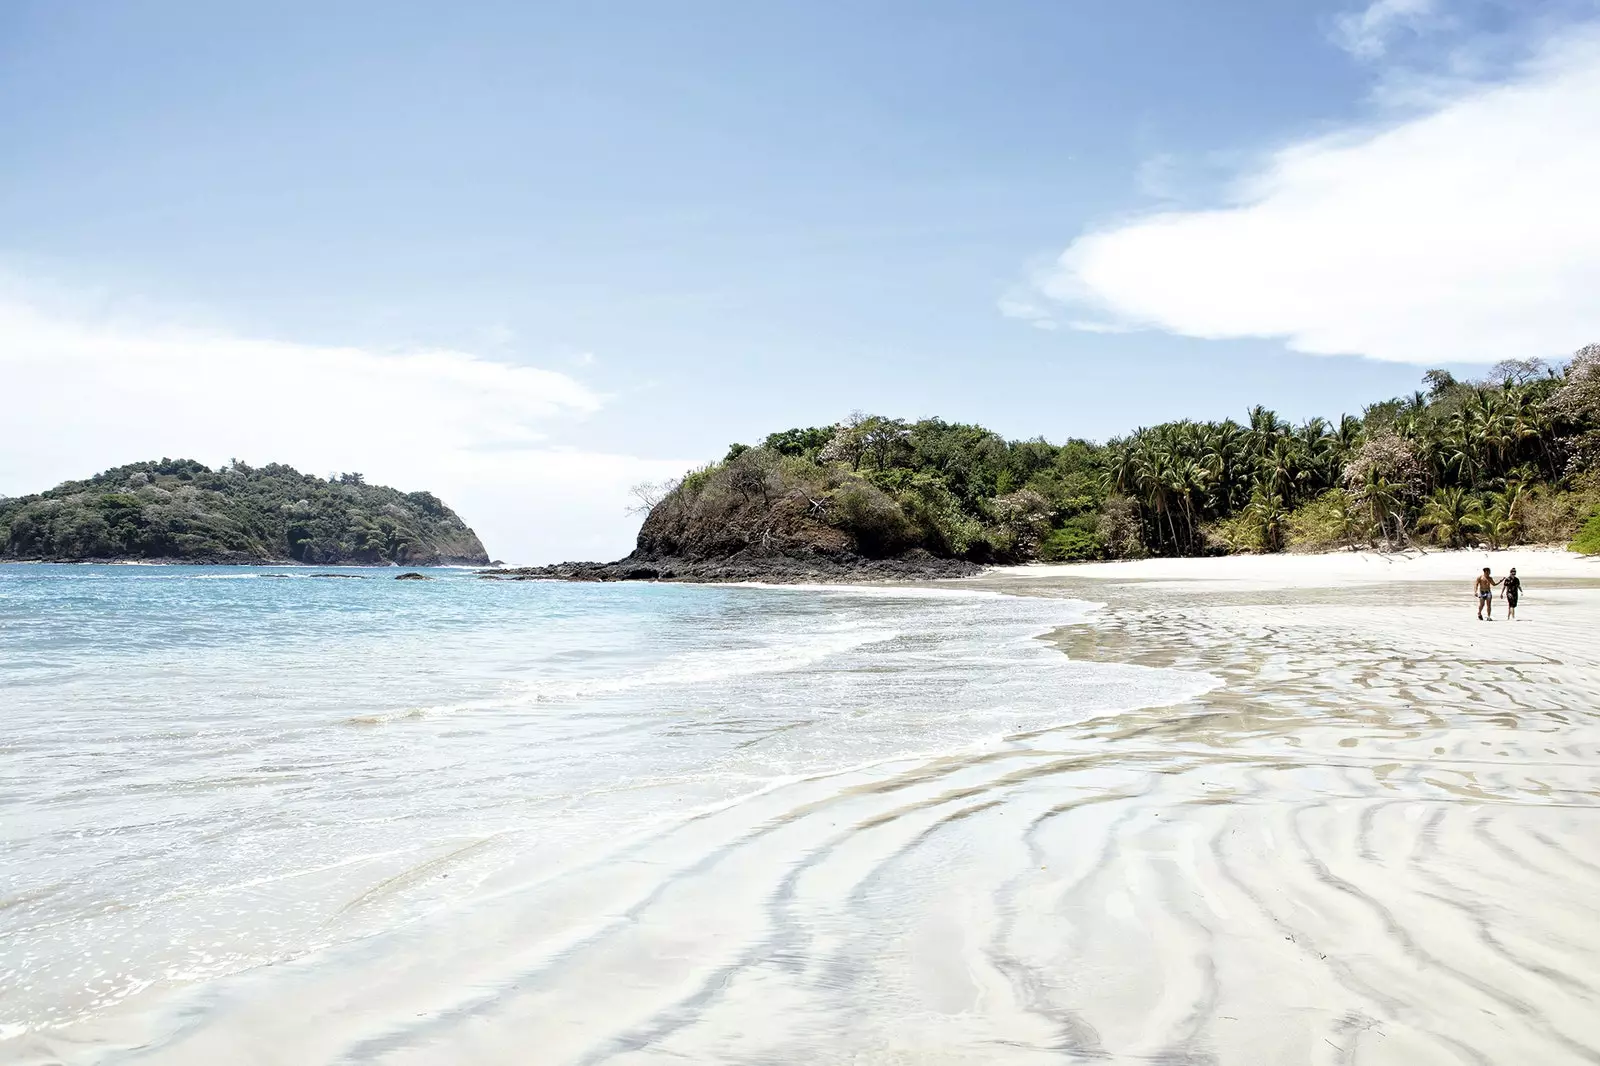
point(1377, 842)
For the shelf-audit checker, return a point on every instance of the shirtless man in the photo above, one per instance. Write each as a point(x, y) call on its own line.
point(1513, 592)
point(1484, 587)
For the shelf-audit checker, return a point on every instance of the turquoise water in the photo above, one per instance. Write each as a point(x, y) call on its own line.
point(205, 770)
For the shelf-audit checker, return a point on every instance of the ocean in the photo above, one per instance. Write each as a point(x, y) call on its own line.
point(218, 784)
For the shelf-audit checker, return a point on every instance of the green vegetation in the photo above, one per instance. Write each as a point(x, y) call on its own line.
point(1588, 539)
point(178, 509)
point(1514, 458)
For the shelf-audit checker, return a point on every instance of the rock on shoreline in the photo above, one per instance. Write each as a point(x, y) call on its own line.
point(748, 566)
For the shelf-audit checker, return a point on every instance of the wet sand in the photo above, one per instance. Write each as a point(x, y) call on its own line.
point(1376, 841)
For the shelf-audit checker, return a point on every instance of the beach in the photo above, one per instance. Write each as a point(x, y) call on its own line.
point(1240, 810)
point(1377, 841)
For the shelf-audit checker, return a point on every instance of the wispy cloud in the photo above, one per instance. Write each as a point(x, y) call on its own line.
point(87, 391)
point(1085, 325)
point(1023, 307)
point(1367, 33)
point(1158, 177)
point(1464, 233)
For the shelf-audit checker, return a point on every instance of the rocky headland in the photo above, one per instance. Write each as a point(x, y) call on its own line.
point(764, 567)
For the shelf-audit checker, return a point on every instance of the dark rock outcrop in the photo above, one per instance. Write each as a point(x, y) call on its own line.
point(756, 566)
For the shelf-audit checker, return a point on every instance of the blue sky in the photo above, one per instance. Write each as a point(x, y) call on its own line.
point(575, 246)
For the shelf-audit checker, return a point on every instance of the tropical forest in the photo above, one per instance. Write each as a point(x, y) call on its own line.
point(1512, 458)
point(181, 510)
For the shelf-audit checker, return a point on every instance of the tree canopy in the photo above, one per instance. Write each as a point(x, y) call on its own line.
point(1513, 458)
point(180, 509)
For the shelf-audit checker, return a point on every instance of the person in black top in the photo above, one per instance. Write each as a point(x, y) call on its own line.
point(1513, 588)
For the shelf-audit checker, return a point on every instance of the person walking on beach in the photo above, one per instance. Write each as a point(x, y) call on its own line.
point(1513, 591)
point(1484, 587)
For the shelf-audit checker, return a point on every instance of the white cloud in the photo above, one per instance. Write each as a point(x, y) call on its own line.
point(82, 393)
point(1366, 33)
point(1466, 234)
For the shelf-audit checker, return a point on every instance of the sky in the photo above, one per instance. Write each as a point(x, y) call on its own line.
point(527, 255)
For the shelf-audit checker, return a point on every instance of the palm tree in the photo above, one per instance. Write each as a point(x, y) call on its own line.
point(1503, 511)
point(1285, 469)
point(1347, 435)
point(1153, 478)
point(1382, 498)
point(1348, 517)
point(1495, 524)
point(1530, 421)
point(1449, 513)
point(1268, 511)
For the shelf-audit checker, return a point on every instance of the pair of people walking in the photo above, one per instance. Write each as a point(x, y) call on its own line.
point(1484, 588)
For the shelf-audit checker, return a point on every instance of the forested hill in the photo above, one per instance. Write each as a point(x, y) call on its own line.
point(181, 510)
point(1513, 458)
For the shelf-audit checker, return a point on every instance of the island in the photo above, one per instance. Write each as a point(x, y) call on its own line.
point(180, 510)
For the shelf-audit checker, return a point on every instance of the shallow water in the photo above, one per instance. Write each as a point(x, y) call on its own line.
point(206, 770)
point(303, 820)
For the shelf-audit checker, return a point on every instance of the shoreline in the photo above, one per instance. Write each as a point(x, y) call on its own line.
point(742, 568)
point(1297, 567)
point(1361, 566)
point(1376, 840)
point(290, 563)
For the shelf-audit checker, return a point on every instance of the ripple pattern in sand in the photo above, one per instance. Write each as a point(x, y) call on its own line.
point(1372, 845)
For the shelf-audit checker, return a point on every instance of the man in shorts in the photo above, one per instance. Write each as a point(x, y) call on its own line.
point(1513, 591)
point(1484, 587)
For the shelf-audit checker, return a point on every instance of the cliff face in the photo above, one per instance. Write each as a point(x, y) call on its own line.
point(181, 510)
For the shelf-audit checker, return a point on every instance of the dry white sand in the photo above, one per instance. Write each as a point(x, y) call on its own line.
point(1376, 841)
point(1321, 571)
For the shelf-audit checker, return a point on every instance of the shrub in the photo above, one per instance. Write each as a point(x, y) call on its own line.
point(1330, 521)
point(1554, 516)
point(1072, 544)
point(876, 522)
point(933, 510)
point(1241, 533)
point(695, 482)
point(800, 442)
point(1022, 519)
point(1587, 542)
point(1120, 529)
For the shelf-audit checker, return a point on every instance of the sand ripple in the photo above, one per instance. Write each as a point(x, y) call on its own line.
point(1379, 842)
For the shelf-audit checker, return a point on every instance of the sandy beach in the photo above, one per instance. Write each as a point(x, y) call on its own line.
point(1373, 838)
point(1377, 842)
